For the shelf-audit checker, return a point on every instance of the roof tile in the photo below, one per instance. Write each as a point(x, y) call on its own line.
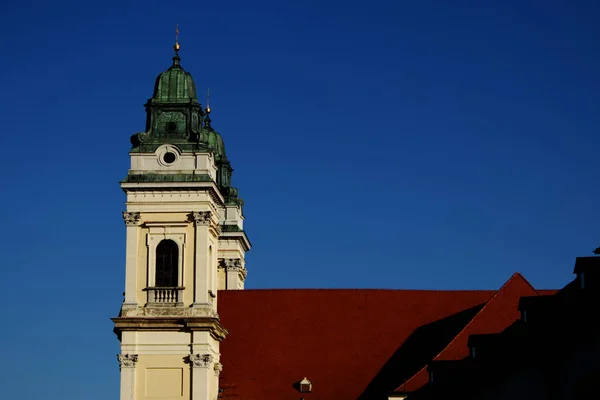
point(338, 339)
point(498, 313)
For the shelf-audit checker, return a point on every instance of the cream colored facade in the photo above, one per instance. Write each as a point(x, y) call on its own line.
point(170, 335)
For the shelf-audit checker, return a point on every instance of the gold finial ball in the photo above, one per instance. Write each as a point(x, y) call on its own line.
point(176, 47)
point(207, 109)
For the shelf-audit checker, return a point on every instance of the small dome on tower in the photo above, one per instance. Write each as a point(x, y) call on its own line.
point(214, 141)
point(175, 85)
point(216, 145)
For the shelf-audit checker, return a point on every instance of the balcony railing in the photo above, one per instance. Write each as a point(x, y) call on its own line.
point(165, 296)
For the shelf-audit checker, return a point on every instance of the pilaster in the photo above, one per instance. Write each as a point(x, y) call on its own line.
point(132, 222)
point(204, 277)
point(202, 376)
point(127, 364)
point(235, 273)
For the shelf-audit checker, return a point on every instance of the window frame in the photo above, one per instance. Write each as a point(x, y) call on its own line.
point(157, 232)
point(171, 248)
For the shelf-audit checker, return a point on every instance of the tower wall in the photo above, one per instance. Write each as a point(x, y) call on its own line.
point(184, 241)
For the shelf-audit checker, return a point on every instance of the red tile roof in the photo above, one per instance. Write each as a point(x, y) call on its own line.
point(546, 292)
point(499, 312)
point(338, 339)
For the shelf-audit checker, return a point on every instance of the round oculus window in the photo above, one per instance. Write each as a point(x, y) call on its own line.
point(171, 126)
point(169, 158)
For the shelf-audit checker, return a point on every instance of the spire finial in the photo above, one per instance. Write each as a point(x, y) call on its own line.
point(207, 120)
point(208, 101)
point(176, 47)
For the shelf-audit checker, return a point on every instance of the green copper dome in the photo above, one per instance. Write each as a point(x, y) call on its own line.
point(214, 141)
point(175, 117)
point(175, 85)
point(173, 113)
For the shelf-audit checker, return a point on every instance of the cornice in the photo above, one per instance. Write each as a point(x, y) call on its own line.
point(240, 236)
point(210, 187)
point(202, 324)
point(153, 177)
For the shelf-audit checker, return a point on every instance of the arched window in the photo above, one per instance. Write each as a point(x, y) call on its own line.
point(167, 254)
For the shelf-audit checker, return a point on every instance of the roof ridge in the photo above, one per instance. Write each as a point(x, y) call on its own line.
point(362, 289)
point(514, 276)
point(526, 281)
point(468, 324)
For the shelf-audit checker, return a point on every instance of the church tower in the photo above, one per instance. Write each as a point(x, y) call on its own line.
point(185, 241)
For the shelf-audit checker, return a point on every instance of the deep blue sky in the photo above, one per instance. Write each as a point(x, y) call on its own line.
point(393, 144)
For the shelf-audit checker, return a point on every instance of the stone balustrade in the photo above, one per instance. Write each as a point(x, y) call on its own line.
point(165, 296)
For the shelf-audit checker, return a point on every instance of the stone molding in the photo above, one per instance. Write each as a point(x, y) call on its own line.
point(212, 325)
point(203, 218)
point(127, 360)
point(233, 264)
point(131, 218)
point(200, 360)
point(215, 230)
point(238, 236)
point(218, 368)
point(151, 311)
point(206, 309)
